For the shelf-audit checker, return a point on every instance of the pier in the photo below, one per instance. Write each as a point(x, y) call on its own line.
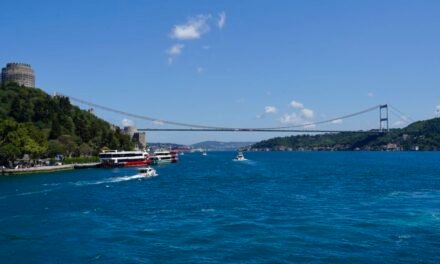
point(45, 169)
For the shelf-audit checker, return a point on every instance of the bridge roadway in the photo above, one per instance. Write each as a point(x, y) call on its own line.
point(256, 130)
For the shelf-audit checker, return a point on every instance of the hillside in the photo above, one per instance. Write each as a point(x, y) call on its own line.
point(221, 146)
point(34, 123)
point(422, 135)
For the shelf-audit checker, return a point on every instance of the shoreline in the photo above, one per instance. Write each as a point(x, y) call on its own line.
point(46, 169)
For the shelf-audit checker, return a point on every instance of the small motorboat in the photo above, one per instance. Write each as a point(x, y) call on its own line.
point(204, 153)
point(239, 156)
point(147, 172)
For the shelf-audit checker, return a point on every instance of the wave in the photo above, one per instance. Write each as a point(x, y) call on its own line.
point(79, 183)
point(112, 180)
point(245, 161)
point(415, 194)
point(26, 193)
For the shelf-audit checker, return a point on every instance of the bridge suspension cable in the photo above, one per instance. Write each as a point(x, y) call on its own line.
point(331, 119)
point(401, 115)
point(148, 118)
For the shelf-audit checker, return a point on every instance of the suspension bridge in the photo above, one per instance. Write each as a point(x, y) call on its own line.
point(383, 109)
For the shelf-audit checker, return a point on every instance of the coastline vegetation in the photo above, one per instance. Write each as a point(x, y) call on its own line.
point(420, 135)
point(43, 126)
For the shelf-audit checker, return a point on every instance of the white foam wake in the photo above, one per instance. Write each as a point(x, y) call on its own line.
point(114, 179)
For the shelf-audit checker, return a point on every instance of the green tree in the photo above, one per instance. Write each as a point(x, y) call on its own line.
point(70, 144)
point(55, 148)
point(21, 110)
point(19, 139)
point(55, 130)
point(85, 150)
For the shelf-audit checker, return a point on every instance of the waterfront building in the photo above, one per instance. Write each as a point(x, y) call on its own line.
point(20, 73)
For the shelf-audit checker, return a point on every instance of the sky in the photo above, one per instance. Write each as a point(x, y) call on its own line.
point(232, 63)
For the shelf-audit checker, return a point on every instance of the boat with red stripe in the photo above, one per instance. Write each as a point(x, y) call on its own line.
point(115, 158)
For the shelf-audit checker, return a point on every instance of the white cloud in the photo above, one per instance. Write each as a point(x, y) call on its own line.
point(259, 116)
point(221, 20)
point(298, 120)
point(158, 122)
point(127, 122)
point(176, 49)
point(291, 119)
point(296, 105)
point(370, 94)
point(309, 126)
point(307, 113)
point(337, 121)
point(270, 110)
point(194, 28)
point(200, 70)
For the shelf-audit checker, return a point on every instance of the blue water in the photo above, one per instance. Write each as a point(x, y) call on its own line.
point(277, 207)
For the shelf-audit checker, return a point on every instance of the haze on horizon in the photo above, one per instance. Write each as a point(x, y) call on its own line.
point(234, 64)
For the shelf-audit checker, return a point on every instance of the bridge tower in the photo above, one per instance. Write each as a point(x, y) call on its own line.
point(383, 118)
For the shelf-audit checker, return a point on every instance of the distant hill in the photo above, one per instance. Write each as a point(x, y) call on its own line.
point(35, 123)
point(420, 135)
point(221, 146)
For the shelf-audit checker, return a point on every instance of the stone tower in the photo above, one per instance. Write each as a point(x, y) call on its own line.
point(20, 73)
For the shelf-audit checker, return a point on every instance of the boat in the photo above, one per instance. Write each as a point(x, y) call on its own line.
point(239, 156)
point(163, 156)
point(115, 158)
point(147, 172)
point(204, 153)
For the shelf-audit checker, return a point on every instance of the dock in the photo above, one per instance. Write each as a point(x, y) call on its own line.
point(46, 169)
point(86, 165)
point(37, 169)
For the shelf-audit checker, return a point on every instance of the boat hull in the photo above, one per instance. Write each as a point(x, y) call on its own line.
point(125, 164)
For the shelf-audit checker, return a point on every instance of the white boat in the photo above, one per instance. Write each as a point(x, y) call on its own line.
point(204, 153)
point(147, 172)
point(239, 156)
point(164, 156)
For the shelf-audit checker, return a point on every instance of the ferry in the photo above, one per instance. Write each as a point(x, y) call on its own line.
point(114, 158)
point(164, 156)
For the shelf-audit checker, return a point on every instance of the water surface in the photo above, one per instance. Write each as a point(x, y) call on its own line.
point(277, 207)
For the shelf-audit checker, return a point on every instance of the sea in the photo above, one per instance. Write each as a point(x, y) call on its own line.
point(275, 207)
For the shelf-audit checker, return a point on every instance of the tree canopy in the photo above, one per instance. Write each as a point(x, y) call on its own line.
point(34, 123)
point(422, 134)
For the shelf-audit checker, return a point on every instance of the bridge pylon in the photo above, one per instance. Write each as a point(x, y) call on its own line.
point(383, 118)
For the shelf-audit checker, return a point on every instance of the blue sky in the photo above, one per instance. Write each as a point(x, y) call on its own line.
point(232, 63)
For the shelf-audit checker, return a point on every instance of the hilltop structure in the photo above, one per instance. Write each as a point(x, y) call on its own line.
point(138, 138)
point(20, 73)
